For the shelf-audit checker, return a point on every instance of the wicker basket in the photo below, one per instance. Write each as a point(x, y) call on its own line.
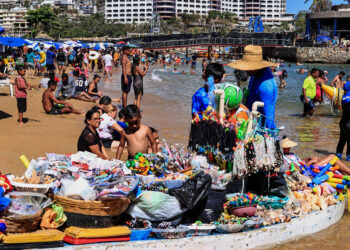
point(22, 226)
point(26, 187)
point(113, 207)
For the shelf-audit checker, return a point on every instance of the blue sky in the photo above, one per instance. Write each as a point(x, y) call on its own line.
point(294, 6)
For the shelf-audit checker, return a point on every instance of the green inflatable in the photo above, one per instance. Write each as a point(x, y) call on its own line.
point(233, 95)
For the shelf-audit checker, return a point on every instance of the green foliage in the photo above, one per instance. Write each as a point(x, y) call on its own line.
point(320, 5)
point(189, 19)
point(300, 22)
point(42, 19)
point(225, 16)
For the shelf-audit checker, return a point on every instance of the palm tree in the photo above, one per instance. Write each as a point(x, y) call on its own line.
point(320, 5)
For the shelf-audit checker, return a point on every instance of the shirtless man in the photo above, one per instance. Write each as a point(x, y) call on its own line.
point(338, 80)
point(52, 106)
point(136, 134)
point(126, 77)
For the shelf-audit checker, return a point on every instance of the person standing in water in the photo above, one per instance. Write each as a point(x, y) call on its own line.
point(138, 75)
point(126, 77)
point(338, 80)
point(309, 93)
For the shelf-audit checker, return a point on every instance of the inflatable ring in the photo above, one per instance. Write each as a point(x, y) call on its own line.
point(42, 57)
point(93, 55)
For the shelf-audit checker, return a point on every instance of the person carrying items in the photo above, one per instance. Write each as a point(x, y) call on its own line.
point(262, 85)
point(309, 93)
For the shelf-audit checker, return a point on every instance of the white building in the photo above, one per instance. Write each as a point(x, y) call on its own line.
point(131, 11)
point(13, 21)
point(273, 12)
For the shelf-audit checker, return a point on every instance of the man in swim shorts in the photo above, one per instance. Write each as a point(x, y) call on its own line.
point(309, 93)
point(52, 106)
point(126, 79)
point(338, 80)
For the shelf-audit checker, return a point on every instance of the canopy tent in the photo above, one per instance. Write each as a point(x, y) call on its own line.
point(323, 39)
point(13, 41)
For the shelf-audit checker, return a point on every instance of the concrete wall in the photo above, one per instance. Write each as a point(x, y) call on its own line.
point(311, 55)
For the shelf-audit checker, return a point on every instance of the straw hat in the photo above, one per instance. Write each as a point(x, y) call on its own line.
point(286, 143)
point(252, 60)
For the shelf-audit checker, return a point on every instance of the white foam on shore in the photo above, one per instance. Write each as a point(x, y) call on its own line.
point(155, 76)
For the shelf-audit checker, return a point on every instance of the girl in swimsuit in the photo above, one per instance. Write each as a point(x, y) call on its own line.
point(138, 75)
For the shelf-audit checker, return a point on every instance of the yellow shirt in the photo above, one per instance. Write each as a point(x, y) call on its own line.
point(310, 87)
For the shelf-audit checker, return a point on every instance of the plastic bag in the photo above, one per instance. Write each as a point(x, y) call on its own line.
point(213, 206)
point(267, 183)
point(155, 206)
point(193, 190)
point(78, 189)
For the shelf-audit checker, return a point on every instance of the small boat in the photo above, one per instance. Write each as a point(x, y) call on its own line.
point(269, 236)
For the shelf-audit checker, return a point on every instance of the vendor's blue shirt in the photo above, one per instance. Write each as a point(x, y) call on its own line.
point(263, 88)
point(50, 56)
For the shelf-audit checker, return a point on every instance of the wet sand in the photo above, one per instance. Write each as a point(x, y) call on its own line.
point(59, 134)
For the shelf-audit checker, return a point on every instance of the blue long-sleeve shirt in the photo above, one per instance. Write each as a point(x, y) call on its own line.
point(263, 88)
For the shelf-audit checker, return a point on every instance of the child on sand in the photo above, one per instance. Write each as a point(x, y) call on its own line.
point(136, 134)
point(20, 92)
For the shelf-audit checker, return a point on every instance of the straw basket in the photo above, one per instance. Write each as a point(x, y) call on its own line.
point(22, 226)
point(113, 207)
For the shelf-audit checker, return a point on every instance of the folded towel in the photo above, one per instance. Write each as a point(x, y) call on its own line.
point(77, 232)
point(37, 236)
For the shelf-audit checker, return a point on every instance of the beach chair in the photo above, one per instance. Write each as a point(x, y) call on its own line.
point(4, 83)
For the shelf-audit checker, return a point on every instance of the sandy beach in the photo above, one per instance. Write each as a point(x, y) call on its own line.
point(59, 134)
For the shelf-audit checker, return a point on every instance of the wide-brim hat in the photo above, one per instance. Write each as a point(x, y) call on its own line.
point(252, 60)
point(286, 143)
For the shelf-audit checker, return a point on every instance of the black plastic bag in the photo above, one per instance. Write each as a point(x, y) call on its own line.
point(193, 190)
point(267, 183)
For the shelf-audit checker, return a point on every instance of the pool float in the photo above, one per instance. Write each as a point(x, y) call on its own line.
point(42, 57)
point(335, 95)
point(93, 55)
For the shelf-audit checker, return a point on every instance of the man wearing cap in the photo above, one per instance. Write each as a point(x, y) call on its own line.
point(262, 85)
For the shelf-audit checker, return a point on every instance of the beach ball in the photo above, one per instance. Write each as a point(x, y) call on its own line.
point(233, 95)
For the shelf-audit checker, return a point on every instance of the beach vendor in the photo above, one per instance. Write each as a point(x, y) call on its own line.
point(262, 86)
point(203, 101)
point(290, 158)
point(344, 124)
point(309, 92)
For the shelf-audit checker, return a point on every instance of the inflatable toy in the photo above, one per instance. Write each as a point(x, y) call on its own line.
point(93, 55)
point(334, 95)
point(233, 95)
point(42, 57)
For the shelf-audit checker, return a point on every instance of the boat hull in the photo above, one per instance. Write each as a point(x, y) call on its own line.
point(261, 238)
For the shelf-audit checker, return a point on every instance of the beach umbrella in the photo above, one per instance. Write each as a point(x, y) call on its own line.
point(121, 42)
point(2, 29)
point(13, 41)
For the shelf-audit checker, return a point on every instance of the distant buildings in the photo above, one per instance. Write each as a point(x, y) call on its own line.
point(273, 12)
point(330, 23)
point(13, 21)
